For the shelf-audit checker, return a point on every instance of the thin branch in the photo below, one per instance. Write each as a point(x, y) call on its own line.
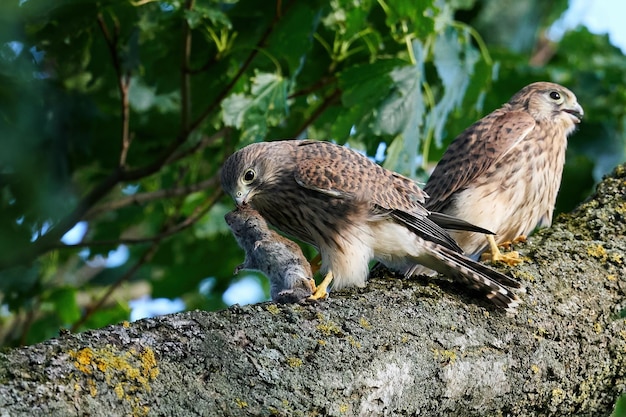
point(328, 101)
point(141, 198)
point(145, 258)
point(253, 53)
point(185, 111)
point(148, 254)
point(204, 67)
point(203, 143)
point(123, 84)
point(189, 221)
point(318, 85)
point(49, 240)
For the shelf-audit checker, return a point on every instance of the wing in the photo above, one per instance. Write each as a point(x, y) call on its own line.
point(423, 227)
point(473, 152)
point(341, 172)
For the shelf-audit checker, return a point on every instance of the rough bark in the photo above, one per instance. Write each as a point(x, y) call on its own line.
point(396, 347)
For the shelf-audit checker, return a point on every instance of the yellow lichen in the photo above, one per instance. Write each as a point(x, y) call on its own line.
point(525, 276)
point(119, 390)
point(354, 342)
point(93, 391)
point(294, 362)
point(127, 373)
point(343, 408)
point(321, 342)
point(558, 395)
point(273, 309)
point(241, 403)
point(616, 258)
point(540, 333)
point(597, 328)
point(364, 323)
point(534, 368)
point(444, 355)
point(597, 251)
point(125, 324)
point(82, 359)
point(611, 277)
point(326, 326)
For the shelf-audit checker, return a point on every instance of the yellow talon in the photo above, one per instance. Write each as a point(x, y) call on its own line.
point(509, 258)
point(320, 291)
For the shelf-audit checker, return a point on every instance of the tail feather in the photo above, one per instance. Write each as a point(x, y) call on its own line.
point(490, 282)
point(454, 223)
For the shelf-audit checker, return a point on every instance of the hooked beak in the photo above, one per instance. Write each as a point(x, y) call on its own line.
point(241, 198)
point(576, 112)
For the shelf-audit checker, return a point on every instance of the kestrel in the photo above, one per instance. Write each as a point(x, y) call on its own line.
point(503, 172)
point(352, 210)
point(280, 259)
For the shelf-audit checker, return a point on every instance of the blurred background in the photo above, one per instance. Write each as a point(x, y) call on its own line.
point(115, 117)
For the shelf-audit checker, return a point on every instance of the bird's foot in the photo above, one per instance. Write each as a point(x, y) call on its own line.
point(509, 244)
point(509, 258)
point(321, 291)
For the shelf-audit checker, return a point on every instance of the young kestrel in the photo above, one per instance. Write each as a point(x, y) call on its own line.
point(503, 172)
point(280, 259)
point(352, 210)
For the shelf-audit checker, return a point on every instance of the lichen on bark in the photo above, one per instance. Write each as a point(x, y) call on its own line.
point(396, 347)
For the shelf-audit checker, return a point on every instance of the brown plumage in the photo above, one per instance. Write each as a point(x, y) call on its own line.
point(503, 172)
point(353, 210)
point(280, 259)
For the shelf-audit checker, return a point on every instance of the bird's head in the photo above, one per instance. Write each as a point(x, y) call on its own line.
point(550, 101)
point(248, 172)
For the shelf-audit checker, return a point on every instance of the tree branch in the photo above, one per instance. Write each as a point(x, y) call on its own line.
point(328, 101)
point(196, 215)
point(185, 111)
point(244, 67)
point(142, 198)
point(123, 84)
point(398, 347)
point(167, 230)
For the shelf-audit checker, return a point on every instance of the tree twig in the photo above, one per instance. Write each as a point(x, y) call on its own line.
point(203, 143)
point(321, 83)
point(185, 110)
point(244, 67)
point(166, 230)
point(123, 84)
point(328, 101)
point(141, 198)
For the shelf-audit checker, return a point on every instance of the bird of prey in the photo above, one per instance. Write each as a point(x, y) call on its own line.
point(353, 210)
point(503, 172)
point(280, 259)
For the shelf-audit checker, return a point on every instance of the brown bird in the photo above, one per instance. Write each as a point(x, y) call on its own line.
point(503, 172)
point(280, 259)
point(353, 210)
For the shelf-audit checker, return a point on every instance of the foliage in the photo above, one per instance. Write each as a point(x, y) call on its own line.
point(119, 113)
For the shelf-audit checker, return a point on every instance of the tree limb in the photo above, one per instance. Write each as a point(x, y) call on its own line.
point(396, 347)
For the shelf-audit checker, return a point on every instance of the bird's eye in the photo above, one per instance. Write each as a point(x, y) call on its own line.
point(248, 176)
point(554, 95)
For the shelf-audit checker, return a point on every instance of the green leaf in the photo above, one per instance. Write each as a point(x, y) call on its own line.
point(266, 105)
point(213, 224)
point(620, 407)
point(403, 112)
point(64, 302)
point(454, 59)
